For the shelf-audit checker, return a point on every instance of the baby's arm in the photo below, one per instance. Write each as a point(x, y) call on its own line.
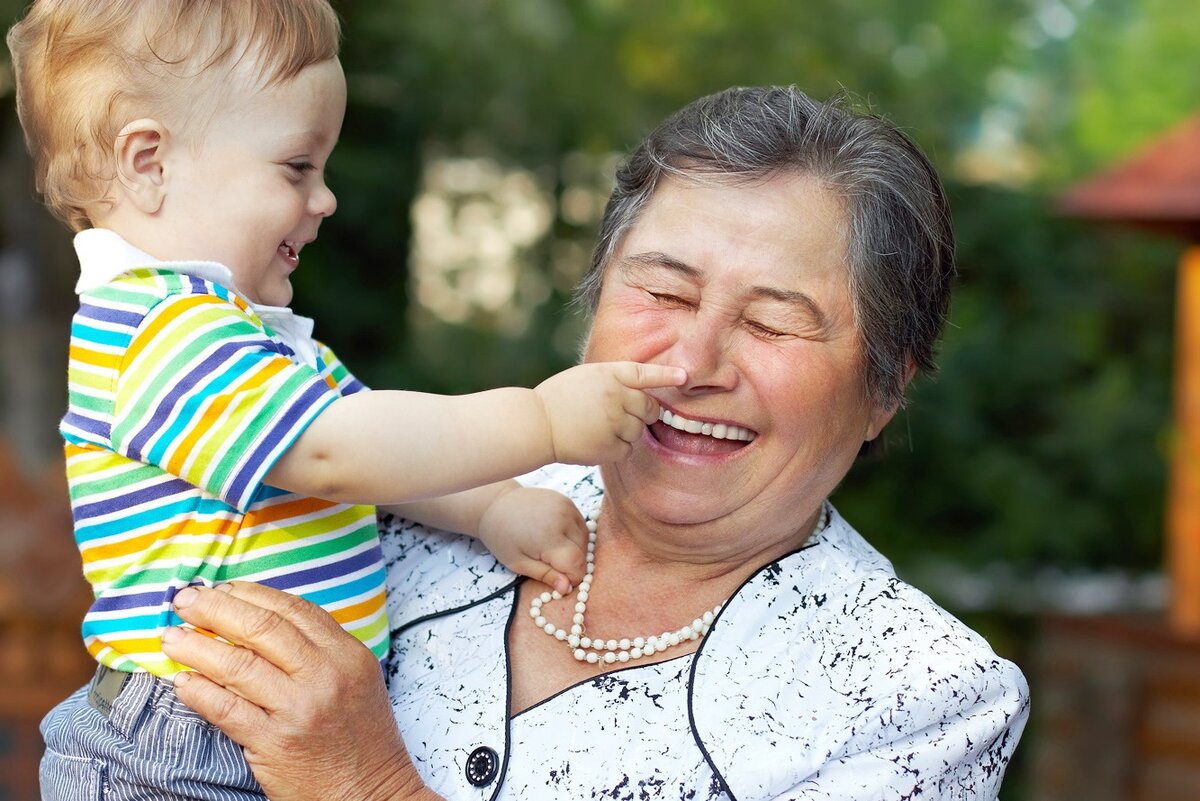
point(536, 532)
point(387, 447)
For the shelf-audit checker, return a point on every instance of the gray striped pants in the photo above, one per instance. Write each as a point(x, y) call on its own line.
point(149, 746)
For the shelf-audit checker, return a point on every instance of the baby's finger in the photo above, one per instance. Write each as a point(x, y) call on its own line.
point(638, 375)
point(557, 581)
point(540, 571)
point(567, 560)
point(640, 405)
point(628, 430)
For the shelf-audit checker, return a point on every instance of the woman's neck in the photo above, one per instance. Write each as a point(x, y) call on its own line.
point(698, 551)
point(657, 576)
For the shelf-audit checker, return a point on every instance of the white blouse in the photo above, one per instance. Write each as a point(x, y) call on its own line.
point(823, 677)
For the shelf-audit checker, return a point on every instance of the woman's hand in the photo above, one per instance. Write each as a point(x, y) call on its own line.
point(304, 698)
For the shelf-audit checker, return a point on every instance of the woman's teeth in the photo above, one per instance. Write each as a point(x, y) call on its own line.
point(714, 430)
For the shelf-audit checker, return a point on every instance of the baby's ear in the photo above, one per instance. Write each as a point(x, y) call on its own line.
point(139, 151)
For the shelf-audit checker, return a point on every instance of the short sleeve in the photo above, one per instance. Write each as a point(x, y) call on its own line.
point(957, 751)
point(335, 373)
point(206, 395)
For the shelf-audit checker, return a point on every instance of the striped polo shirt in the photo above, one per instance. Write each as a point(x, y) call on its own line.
point(181, 398)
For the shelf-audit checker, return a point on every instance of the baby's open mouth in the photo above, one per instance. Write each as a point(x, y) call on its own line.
point(290, 252)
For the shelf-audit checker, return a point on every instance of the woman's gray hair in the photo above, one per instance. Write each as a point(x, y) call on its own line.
point(901, 251)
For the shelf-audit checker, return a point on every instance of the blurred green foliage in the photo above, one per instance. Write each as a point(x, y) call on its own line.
point(1043, 439)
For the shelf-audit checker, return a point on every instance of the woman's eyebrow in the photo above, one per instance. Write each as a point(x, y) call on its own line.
point(792, 298)
point(655, 258)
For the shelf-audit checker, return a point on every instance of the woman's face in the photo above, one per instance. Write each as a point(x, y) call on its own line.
point(746, 287)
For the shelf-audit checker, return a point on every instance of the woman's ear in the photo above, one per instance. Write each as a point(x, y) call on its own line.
point(883, 415)
point(879, 420)
point(139, 151)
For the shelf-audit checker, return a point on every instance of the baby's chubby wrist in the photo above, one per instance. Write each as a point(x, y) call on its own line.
point(544, 400)
point(490, 523)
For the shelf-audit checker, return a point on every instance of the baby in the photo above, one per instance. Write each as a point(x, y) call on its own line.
point(208, 437)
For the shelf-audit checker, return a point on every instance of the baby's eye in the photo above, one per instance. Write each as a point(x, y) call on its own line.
point(301, 167)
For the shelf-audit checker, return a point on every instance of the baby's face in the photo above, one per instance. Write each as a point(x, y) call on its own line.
point(252, 193)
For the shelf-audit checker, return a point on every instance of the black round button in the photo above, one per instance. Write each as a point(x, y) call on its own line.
point(482, 765)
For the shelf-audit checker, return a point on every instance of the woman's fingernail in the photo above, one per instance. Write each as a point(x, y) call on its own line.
point(182, 678)
point(185, 597)
point(226, 587)
point(172, 634)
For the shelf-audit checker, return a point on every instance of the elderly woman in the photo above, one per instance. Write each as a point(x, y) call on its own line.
point(734, 637)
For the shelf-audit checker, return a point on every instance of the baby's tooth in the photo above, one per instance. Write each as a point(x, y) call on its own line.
point(706, 429)
point(719, 430)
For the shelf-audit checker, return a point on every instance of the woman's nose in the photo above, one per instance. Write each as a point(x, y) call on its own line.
point(702, 347)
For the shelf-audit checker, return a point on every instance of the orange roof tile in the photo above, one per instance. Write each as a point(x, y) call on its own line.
point(1157, 188)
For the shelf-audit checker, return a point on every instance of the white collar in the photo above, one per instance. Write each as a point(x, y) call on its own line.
point(104, 255)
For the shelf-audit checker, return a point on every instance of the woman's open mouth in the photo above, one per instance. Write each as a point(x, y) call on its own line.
point(699, 437)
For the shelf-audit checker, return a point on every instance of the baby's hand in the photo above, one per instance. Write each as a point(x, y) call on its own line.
point(597, 411)
point(538, 533)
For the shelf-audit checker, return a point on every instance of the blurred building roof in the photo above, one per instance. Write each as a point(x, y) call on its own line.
point(1157, 188)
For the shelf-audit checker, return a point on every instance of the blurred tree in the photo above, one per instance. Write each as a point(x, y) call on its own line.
point(1040, 441)
point(533, 83)
point(36, 302)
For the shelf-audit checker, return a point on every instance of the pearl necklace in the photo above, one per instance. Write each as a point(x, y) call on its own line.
point(597, 651)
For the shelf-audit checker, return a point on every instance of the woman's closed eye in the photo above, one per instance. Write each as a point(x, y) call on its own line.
point(667, 299)
point(766, 331)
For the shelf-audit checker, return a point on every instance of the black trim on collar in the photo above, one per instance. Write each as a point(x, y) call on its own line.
point(453, 610)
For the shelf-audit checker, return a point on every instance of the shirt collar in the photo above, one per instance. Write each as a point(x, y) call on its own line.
point(104, 255)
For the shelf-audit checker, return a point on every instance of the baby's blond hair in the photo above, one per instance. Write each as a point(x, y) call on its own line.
point(85, 68)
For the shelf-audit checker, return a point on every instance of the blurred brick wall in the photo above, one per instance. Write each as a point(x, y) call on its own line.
point(42, 600)
point(1117, 709)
